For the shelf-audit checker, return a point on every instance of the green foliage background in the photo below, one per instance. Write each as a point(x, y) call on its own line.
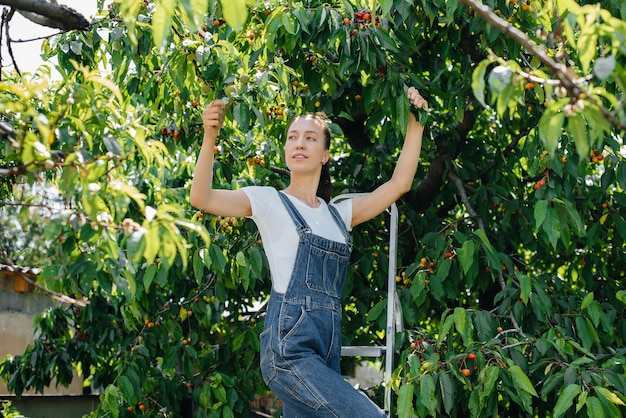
point(511, 242)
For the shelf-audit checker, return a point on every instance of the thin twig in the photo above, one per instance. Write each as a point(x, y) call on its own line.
point(505, 347)
point(55, 295)
point(5, 21)
point(509, 148)
point(39, 38)
point(459, 186)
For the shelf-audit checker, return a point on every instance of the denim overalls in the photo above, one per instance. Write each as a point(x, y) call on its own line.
point(301, 342)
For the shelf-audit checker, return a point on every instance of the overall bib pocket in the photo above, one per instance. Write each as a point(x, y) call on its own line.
point(325, 276)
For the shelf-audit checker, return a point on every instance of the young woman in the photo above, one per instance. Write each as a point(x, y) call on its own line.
point(308, 245)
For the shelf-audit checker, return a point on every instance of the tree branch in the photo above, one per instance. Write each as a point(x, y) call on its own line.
point(49, 14)
point(565, 78)
point(12, 171)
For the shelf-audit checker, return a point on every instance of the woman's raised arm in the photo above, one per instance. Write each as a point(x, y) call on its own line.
point(203, 196)
point(367, 207)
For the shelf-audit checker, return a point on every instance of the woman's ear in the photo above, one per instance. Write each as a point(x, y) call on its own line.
point(326, 157)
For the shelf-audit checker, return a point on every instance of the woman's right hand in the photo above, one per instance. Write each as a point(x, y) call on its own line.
point(213, 117)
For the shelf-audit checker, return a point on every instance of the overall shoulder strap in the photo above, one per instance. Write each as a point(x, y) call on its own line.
point(301, 224)
point(342, 226)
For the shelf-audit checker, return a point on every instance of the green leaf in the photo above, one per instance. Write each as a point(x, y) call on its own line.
point(466, 255)
point(620, 225)
point(402, 113)
point(288, 23)
point(385, 6)
point(217, 257)
point(256, 261)
point(205, 397)
point(609, 396)
point(162, 21)
point(235, 13)
point(414, 365)
point(594, 407)
point(427, 393)
point(219, 391)
point(377, 310)
point(445, 328)
point(448, 392)
point(238, 341)
point(521, 381)
point(151, 239)
point(148, 277)
point(597, 316)
point(437, 289)
point(551, 126)
point(494, 259)
point(241, 259)
point(387, 42)
point(577, 128)
point(541, 302)
point(583, 332)
point(405, 401)
point(484, 324)
point(586, 301)
point(597, 124)
point(492, 373)
point(112, 400)
point(541, 211)
point(552, 226)
point(573, 215)
point(460, 320)
point(582, 398)
point(127, 389)
point(112, 145)
point(198, 11)
point(587, 46)
point(478, 81)
point(525, 287)
point(227, 412)
point(565, 400)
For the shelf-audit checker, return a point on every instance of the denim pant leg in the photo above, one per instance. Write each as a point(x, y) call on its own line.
point(308, 384)
point(328, 394)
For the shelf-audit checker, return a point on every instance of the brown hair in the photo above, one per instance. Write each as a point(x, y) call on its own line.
point(325, 186)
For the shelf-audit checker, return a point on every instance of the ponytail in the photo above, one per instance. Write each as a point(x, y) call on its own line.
point(325, 186)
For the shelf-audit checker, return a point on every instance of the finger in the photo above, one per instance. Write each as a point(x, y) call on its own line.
point(418, 101)
point(209, 114)
point(421, 103)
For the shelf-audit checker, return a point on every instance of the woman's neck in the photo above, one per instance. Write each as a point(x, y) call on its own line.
point(306, 195)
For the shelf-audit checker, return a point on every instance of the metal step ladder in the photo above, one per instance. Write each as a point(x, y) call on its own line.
point(394, 309)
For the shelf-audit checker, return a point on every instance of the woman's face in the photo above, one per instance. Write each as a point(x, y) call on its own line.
point(305, 146)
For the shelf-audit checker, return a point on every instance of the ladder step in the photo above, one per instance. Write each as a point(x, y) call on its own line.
point(362, 351)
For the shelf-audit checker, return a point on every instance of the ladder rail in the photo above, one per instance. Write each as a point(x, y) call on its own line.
point(393, 308)
point(391, 300)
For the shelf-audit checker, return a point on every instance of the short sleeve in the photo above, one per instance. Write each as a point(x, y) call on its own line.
point(261, 200)
point(344, 208)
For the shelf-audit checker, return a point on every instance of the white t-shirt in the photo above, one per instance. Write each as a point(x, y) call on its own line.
point(278, 231)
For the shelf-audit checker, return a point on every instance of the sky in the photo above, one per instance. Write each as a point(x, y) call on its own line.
point(28, 54)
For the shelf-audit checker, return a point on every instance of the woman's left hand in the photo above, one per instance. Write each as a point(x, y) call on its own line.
point(416, 98)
